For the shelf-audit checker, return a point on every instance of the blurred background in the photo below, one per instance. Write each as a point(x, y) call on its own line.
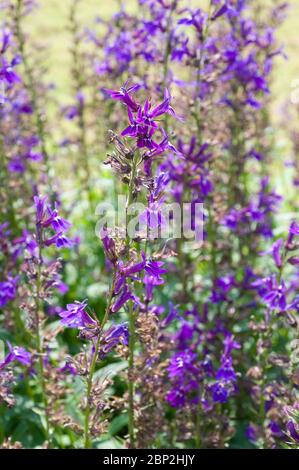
point(49, 25)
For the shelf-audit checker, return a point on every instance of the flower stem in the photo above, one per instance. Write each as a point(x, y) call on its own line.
point(87, 441)
point(39, 345)
point(131, 387)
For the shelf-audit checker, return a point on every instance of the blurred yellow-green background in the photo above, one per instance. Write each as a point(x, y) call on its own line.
point(49, 25)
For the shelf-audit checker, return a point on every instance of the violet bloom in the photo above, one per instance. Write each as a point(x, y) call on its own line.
point(68, 368)
point(155, 270)
point(109, 246)
point(184, 374)
point(60, 240)
point(18, 354)
point(5, 40)
point(272, 292)
point(123, 95)
point(293, 430)
point(220, 392)
point(58, 224)
point(275, 250)
point(293, 232)
point(6, 71)
point(222, 10)
point(143, 119)
point(122, 299)
point(75, 316)
point(226, 377)
point(47, 217)
point(8, 290)
point(197, 19)
point(114, 336)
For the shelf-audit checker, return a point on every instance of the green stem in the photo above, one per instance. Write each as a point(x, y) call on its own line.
point(131, 424)
point(39, 345)
point(87, 441)
point(130, 197)
point(131, 386)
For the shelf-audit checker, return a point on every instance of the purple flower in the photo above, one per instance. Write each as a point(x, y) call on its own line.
point(183, 372)
point(222, 10)
point(8, 290)
point(5, 40)
point(58, 224)
point(197, 19)
point(251, 433)
point(123, 298)
point(60, 240)
point(275, 250)
point(272, 292)
point(18, 354)
point(47, 217)
point(142, 120)
point(114, 336)
point(219, 392)
point(124, 95)
point(293, 232)
point(109, 246)
point(68, 368)
point(293, 430)
point(75, 316)
point(6, 71)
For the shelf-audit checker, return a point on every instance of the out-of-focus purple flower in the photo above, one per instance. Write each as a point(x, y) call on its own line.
point(251, 433)
point(18, 354)
point(5, 39)
point(293, 430)
point(222, 10)
point(6, 71)
point(222, 287)
point(220, 392)
point(293, 232)
point(68, 368)
point(197, 18)
point(275, 250)
point(226, 377)
point(183, 372)
point(8, 290)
